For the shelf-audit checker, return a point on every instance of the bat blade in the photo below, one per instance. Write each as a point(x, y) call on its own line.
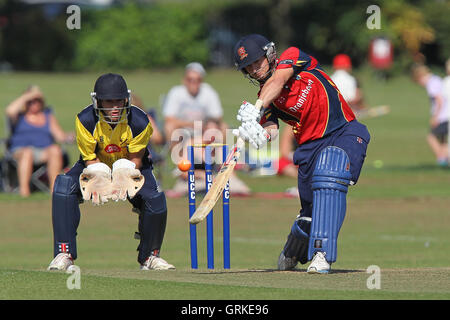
point(373, 112)
point(218, 184)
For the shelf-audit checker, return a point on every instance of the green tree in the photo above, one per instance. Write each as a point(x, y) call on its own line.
point(437, 15)
point(133, 36)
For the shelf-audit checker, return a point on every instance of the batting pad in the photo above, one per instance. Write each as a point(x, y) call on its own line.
point(65, 215)
point(330, 181)
point(298, 240)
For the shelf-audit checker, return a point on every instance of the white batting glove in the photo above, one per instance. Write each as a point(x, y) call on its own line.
point(253, 132)
point(248, 112)
point(126, 179)
point(95, 183)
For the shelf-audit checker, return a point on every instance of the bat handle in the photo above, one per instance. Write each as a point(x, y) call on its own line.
point(259, 104)
point(240, 143)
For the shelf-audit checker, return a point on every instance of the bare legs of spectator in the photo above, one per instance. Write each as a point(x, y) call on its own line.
point(439, 149)
point(51, 155)
point(24, 158)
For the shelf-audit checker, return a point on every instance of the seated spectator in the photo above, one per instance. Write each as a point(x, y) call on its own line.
point(156, 146)
point(193, 114)
point(157, 137)
point(192, 101)
point(437, 137)
point(34, 133)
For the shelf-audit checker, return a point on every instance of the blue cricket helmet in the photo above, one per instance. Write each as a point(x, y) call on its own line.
point(252, 47)
point(111, 86)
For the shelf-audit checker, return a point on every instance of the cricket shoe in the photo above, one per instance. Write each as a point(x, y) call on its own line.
point(156, 263)
point(61, 262)
point(319, 264)
point(285, 264)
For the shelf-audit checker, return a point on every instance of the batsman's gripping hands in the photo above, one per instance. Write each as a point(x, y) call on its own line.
point(95, 183)
point(126, 180)
point(248, 112)
point(250, 130)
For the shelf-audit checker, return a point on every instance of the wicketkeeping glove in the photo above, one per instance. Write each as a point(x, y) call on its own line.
point(95, 183)
point(253, 132)
point(126, 179)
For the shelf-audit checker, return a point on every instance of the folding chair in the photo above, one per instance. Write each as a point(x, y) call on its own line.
point(9, 179)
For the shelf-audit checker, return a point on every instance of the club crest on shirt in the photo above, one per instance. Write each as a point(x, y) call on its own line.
point(242, 53)
point(112, 148)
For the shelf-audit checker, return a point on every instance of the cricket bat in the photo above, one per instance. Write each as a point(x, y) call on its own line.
point(373, 112)
point(221, 180)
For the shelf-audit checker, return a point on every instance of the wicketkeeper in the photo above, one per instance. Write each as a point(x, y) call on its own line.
point(112, 137)
point(332, 144)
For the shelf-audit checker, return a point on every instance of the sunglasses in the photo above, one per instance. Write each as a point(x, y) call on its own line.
point(35, 100)
point(193, 80)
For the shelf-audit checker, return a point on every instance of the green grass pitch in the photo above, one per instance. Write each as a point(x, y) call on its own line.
point(398, 215)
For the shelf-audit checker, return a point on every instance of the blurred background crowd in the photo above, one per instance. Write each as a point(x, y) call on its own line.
point(159, 34)
point(412, 38)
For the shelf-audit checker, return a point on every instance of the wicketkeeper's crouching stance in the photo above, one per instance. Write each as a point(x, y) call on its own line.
point(112, 137)
point(332, 143)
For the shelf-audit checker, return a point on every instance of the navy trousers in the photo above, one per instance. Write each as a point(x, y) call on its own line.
point(353, 138)
point(149, 202)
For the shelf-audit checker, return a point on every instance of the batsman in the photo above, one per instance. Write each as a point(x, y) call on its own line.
point(332, 143)
point(112, 138)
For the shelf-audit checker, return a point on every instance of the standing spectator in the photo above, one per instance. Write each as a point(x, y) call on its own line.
point(437, 138)
point(446, 94)
point(346, 83)
point(194, 104)
point(34, 133)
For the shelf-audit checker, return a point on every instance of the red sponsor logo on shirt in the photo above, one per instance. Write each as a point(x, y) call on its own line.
point(302, 97)
point(112, 148)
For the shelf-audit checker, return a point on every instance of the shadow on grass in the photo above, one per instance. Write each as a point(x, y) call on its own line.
point(333, 271)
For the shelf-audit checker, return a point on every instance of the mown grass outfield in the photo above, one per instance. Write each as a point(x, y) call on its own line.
point(398, 215)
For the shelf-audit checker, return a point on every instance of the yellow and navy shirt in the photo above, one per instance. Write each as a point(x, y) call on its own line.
point(97, 139)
